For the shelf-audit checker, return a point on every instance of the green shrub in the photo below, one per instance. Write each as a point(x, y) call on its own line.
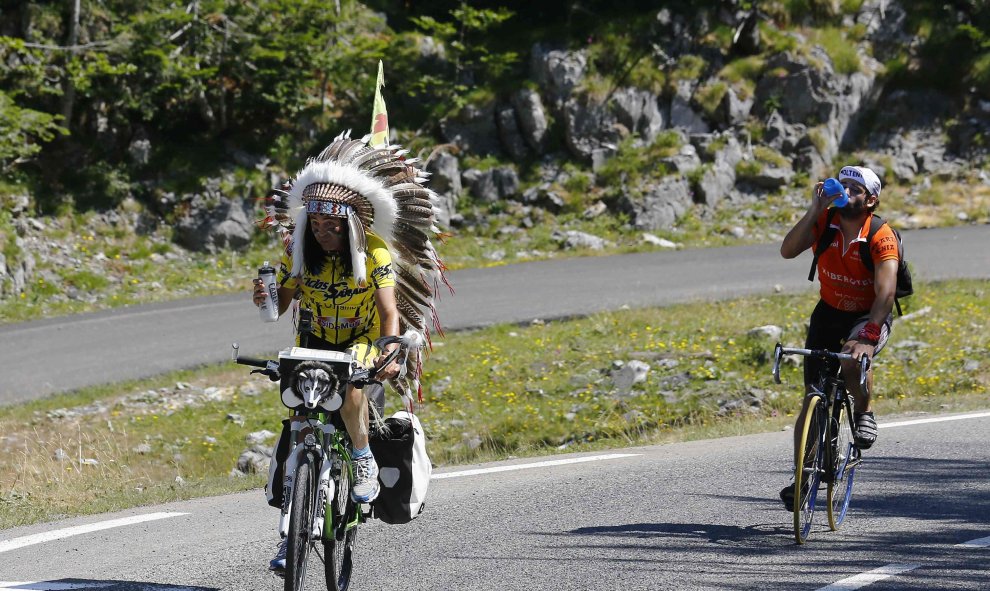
point(817, 137)
point(840, 50)
point(769, 156)
point(632, 164)
point(777, 41)
point(86, 280)
point(710, 96)
point(980, 73)
point(746, 168)
point(689, 67)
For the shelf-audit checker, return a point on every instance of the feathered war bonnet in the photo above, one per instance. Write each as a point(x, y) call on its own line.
point(376, 189)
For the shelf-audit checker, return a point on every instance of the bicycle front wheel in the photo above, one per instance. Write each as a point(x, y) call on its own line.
point(844, 460)
point(809, 459)
point(300, 525)
point(338, 543)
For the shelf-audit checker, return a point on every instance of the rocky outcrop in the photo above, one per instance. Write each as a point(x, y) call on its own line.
point(473, 129)
point(445, 181)
point(660, 205)
point(211, 225)
point(723, 152)
point(639, 111)
point(492, 185)
point(532, 119)
point(589, 127)
point(558, 72)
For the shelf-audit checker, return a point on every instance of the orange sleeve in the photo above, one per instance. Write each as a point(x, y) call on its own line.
point(884, 247)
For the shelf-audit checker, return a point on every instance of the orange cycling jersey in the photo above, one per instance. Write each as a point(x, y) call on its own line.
point(846, 283)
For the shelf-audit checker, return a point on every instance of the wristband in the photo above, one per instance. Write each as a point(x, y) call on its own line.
point(869, 334)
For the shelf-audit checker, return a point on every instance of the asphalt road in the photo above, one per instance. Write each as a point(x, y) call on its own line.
point(60, 354)
point(698, 515)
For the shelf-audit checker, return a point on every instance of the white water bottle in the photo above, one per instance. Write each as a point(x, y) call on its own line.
point(269, 308)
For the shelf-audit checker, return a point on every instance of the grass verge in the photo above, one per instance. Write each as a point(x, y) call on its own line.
point(494, 393)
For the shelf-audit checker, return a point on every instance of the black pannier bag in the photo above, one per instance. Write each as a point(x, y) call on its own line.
point(404, 468)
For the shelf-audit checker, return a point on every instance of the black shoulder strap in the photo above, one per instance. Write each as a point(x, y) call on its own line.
point(828, 233)
point(865, 252)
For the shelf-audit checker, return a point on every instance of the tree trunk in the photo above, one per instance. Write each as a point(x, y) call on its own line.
point(68, 88)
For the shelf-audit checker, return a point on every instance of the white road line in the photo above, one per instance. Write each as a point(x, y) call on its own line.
point(54, 585)
point(532, 465)
point(58, 534)
point(979, 543)
point(61, 586)
point(867, 578)
point(978, 415)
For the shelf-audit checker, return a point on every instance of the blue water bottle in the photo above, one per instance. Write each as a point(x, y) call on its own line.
point(834, 187)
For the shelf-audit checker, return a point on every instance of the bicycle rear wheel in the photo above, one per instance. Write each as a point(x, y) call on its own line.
point(808, 461)
point(844, 461)
point(300, 525)
point(339, 544)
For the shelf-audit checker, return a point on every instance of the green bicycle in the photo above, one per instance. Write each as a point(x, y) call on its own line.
point(317, 507)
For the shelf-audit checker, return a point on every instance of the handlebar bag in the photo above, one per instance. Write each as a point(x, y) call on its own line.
point(404, 468)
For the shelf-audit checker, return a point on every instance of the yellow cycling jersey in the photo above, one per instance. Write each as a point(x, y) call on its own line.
point(342, 311)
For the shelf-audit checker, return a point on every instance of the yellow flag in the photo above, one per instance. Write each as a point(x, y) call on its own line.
point(379, 118)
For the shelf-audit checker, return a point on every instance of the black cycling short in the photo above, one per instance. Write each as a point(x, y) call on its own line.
point(830, 328)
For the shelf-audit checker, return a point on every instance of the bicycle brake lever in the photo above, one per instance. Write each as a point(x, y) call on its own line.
point(361, 378)
point(864, 366)
point(778, 351)
point(272, 375)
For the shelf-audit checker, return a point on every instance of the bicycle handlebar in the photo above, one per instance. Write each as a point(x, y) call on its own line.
point(362, 377)
point(359, 378)
point(779, 351)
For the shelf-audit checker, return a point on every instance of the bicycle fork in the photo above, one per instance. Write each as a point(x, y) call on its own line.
point(325, 486)
point(324, 496)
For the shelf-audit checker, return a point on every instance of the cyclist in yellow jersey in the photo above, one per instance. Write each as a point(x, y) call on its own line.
point(346, 317)
point(342, 310)
point(342, 218)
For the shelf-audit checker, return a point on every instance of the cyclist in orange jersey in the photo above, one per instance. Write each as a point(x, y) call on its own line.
point(854, 313)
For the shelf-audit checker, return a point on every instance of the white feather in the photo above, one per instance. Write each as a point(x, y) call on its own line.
point(351, 177)
point(298, 241)
point(359, 262)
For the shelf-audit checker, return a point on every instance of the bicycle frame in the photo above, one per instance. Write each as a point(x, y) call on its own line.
point(833, 390)
point(832, 405)
point(315, 392)
point(331, 448)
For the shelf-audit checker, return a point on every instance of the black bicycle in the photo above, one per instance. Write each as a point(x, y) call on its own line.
point(825, 452)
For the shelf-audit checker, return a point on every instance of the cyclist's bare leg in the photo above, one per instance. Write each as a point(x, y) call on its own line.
point(354, 411)
point(850, 373)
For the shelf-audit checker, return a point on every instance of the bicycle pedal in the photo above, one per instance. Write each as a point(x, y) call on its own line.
point(365, 511)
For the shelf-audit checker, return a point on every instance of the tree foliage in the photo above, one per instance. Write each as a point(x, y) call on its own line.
point(140, 98)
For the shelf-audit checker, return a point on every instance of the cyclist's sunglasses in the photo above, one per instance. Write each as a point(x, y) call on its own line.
point(853, 188)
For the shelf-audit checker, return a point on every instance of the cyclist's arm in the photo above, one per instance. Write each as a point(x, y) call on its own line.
point(802, 236)
point(885, 284)
point(285, 296)
point(389, 313)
